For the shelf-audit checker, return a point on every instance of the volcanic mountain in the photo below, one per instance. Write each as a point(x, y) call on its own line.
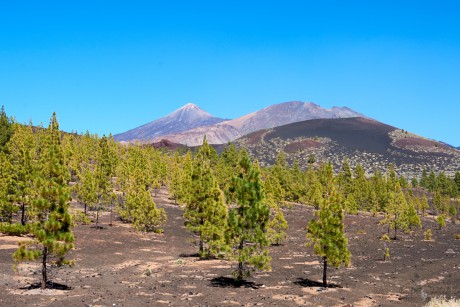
point(272, 116)
point(188, 117)
point(372, 144)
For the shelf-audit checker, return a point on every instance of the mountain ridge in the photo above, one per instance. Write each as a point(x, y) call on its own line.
point(268, 117)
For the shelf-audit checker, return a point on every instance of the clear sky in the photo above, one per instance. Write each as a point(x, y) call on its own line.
point(109, 66)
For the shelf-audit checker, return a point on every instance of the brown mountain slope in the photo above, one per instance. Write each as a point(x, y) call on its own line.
point(365, 141)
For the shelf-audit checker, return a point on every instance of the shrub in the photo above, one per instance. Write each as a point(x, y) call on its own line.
point(441, 221)
point(385, 237)
point(386, 255)
point(427, 235)
point(14, 229)
point(79, 217)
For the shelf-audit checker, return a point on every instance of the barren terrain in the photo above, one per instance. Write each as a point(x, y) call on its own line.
point(116, 266)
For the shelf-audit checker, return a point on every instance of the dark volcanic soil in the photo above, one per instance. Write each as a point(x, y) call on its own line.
point(116, 266)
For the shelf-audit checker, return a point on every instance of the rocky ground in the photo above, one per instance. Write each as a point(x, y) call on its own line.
point(116, 266)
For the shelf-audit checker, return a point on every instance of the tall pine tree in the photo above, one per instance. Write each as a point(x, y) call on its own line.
point(326, 231)
point(205, 211)
point(53, 236)
point(248, 221)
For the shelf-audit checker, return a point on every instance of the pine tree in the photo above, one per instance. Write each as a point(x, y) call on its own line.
point(205, 211)
point(7, 206)
point(457, 181)
point(227, 166)
point(379, 185)
point(281, 172)
point(373, 203)
point(86, 189)
point(24, 150)
point(345, 179)
point(396, 212)
point(146, 216)
point(424, 180)
point(453, 213)
point(53, 236)
point(277, 225)
point(6, 129)
point(326, 231)
point(104, 170)
point(424, 205)
point(297, 182)
point(138, 206)
point(361, 188)
point(350, 204)
point(248, 221)
point(413, 219)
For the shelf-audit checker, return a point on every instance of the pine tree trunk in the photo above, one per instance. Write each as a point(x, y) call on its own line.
point(111, 214)
point(85, 210)
point(97, 218)
point(44, 273)
point(201, 248)
point(395, 225)
point(325, 272)
point(23, 214)
point(240, 264)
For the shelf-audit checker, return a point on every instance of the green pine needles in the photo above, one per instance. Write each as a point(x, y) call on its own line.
point(247, 236)
point(326, 232)
point(51, 227)
point(205, 211)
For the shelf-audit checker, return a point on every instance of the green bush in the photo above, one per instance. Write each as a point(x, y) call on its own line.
point(79, 217)
point(14, 229)
point(427, 235)
point(441, 221)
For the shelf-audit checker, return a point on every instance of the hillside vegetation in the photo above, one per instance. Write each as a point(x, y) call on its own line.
point(232, 206)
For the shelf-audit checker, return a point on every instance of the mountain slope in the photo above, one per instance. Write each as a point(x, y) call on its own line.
point(272, 116)
point(361, 140)
point(188, 117)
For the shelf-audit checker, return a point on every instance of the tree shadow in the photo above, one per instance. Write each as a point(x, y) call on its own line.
point(192, 255)
point(49, 285)
point(308, 283)
point(98, 227)
point(227, 282)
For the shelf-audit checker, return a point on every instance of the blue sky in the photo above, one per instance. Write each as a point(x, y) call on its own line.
point(108, 66)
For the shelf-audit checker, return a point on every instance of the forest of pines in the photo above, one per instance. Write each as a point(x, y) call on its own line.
point(232, 207)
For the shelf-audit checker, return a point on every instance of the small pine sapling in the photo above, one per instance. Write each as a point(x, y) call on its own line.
point(441, 221)
point(427, 235)
point(386, 253)
point(453, 213)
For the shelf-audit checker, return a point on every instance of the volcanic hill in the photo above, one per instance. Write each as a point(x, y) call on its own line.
point(361, 140)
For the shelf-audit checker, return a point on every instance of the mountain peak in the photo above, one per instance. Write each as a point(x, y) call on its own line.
point(189, 113)
point(188, 117)
point(190, 105)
